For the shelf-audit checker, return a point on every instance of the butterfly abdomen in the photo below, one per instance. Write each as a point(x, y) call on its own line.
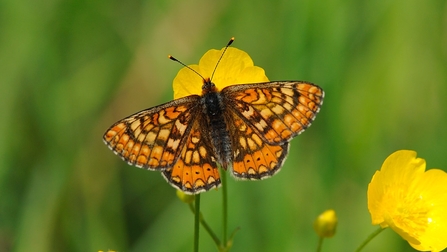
point(213, 108)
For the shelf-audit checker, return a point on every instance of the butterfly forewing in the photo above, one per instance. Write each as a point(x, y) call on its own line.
point(153, 138)
point(278, 111)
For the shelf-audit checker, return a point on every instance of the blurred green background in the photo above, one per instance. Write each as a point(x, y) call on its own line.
point(70, 69)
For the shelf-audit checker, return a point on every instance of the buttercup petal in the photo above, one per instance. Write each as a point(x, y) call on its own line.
point(433, 190)
point(187, 82)
point(235, 67)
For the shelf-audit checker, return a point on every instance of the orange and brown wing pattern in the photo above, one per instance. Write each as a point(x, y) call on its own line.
point(153, 138)
point(278, 111)
point(254, 158)
point(196, 170)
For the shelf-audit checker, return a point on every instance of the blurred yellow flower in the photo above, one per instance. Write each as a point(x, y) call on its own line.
point(410, 200)
point(236, 67)
point(326, 223)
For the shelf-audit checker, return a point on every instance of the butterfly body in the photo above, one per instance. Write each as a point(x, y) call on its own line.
point(244, 128)
point(215, 125)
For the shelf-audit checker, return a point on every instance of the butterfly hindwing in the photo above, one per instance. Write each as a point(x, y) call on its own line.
point(196, 170)
point(253, 158)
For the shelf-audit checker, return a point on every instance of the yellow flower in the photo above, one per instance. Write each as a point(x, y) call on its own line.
point(410, 200)
point(326, 223)
point(236, 67)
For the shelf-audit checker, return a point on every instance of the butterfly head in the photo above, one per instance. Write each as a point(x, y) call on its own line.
point(208, 86)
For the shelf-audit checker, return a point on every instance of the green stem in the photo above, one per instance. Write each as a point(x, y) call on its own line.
point(224, 206)
point(370, 237)
point(206, 226)
point(320, 244)
point(196, 222)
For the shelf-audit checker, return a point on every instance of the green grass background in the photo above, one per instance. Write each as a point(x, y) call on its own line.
point(69, 69)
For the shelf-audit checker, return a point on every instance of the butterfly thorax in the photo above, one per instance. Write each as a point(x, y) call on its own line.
point(214, 109)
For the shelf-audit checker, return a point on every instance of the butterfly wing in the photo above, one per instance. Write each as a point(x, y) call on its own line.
point(196, 169)
point(278, 111)
point(262, 118)
point(266, 117)
point(154, 138)
point(253, 158)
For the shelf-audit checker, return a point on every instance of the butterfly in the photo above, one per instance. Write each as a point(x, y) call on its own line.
point(244, 128)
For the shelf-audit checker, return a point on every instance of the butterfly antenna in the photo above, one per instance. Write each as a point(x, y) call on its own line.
point(221, 56)
point(181, 63)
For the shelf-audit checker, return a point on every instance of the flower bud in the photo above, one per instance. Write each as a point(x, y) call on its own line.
point(326, 223)
point(187, 198)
